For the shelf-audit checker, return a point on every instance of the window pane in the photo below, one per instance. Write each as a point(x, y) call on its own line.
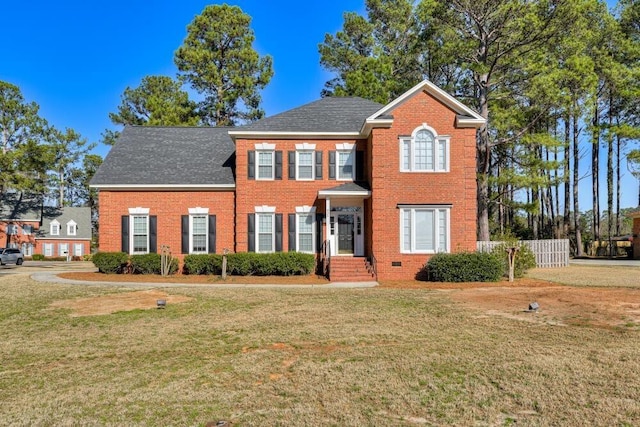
point(442, 154)
point(139, 243)
point(305, 223)
point(442, 231)
point(139, 225)
point(406, 229)
point(265, 223)
point(265, 164)
point(264, 243)
point(305, 242)
point(424, 230)
point(199, 233)
point(265, 233)
point(345, 165)
point(406, 150)
point(305, 233)
point(423, 151)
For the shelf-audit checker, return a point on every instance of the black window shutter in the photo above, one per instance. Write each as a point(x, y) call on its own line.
point(319, 239)
point(251, 164)
point(332, 165)
point(185, 233)
point(359, 165)
point(125, 234)
point(292, 232)
point(292, 164)
point(278, 232)
point(153, 234)
point(318, 164)
point(278, 174)
point(251, 232)
point(212, 234)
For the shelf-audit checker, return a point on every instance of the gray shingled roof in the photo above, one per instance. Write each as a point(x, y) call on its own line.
point(348, 187)
point(20, 207)
point(331, 114)
point(169, 156)
point(81, 216)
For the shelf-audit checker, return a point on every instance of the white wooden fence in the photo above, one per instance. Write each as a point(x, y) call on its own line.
point(549, 253)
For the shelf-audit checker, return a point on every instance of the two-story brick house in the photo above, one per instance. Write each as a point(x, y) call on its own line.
point(345, 177)
point(26, 224)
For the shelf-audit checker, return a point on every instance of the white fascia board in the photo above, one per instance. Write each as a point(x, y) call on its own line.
point(337, 194)
point(437, 93)
point(294, 135)
point(464, 122)
point(162, 187)
point(375, 123)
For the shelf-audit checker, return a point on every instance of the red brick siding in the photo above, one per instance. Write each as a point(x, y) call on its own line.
point(86, 246)
point(284, 194)
point(390, 187)
point(19, 238)
point(168, 206)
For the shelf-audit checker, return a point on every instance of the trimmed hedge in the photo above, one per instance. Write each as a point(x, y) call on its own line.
point(251, 263)
point(525, 259)
point(37, 257)
point(110, 262)
point(150, 264)
point(464, 267)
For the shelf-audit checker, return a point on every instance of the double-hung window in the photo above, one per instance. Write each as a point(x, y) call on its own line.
point(54, 228)
point(305, 232)
point(346, 154)
point(424, 151)
point(27, 229)
point(199, 233)
point(12, 229)
point(71, 228)
point(424, 229)
point(305, 164)
point(265, 232)
point(265, 164)
point(140, 234)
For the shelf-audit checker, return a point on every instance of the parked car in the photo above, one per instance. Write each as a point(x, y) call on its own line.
point(11, 256)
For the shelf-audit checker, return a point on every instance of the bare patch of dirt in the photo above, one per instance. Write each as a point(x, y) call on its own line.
point(196, 279)
point(561, 305)
point(417, 284)
point(107, 304)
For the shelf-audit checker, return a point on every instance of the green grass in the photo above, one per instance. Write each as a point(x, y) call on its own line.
point(305, 357)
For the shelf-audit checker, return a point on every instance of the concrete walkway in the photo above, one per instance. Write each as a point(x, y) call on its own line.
point(51, 277)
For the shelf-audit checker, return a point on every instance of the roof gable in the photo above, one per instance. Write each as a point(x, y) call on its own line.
point(466, 117)
point(81, 216)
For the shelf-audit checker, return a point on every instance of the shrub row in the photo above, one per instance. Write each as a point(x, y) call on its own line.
point(250, 263)
point(464, 267)
point(111, 262)
point(150, 264)
point(525, 258)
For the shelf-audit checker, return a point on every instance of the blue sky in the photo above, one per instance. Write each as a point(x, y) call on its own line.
point(75, 58)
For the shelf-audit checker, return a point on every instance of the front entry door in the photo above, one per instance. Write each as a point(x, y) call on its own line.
point(345, 234)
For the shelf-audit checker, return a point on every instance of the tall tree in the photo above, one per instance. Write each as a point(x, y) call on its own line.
point(158, 101)
point(377, 57)
point(218, 60)
point(68, 148)
point(24, 159)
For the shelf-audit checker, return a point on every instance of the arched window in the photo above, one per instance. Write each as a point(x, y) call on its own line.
point(424, 151)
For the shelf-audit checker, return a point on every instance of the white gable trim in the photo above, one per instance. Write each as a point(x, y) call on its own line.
point(437, 93)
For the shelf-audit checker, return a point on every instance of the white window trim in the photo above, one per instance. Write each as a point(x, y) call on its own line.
point(54, 228)
point(60, 251)
point(313, 165)
point(48, 246)
point(437, 139)
point(306, 210)
point(439, 209)
point(265, 148)
point(206, 231)
point(346, 148)
point(132, 234)
point(72, 228)
point(273, 231)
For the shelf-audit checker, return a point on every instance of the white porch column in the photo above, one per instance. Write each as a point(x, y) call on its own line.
point(327, 224)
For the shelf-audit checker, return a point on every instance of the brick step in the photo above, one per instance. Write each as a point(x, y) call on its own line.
point(348, 269)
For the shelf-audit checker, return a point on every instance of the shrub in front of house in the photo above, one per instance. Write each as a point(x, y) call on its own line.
point(464, 267)
point(37, 257)
point(150, 264)
point(202, 264)
point(525, 258)
point(252, 264)
point(110, 262)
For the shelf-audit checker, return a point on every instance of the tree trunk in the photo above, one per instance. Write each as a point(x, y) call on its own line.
point(483, 162)
point(61, 189)
point(576, 177)
point(566, 177)
point(610, 178)
point(595, 173)
point(618, 190)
